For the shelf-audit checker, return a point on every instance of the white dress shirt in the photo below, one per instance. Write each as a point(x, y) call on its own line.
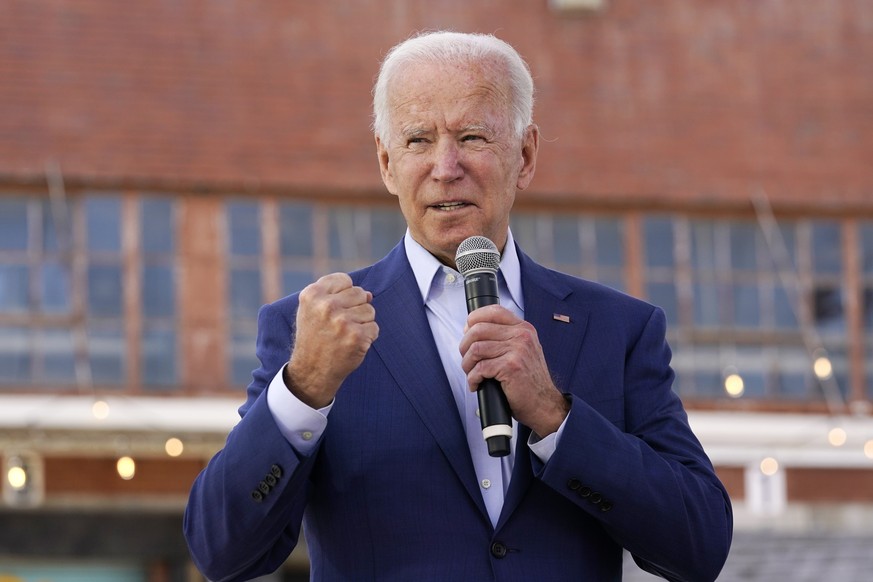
point(442, 291)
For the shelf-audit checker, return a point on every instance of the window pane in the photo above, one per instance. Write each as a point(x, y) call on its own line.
point(294, 281)
point(49, 228)
point(659, 242)
point(158, 298)
point(15, 355)
point(244, 222)
point(747, 311)
point(106, 355)
point(826, 248)
point(664, 296)
point(706, 304)
point(703, 246)
point(868, 310)
point(783, 310)
point(245, 292)
point(387, 228)
point(828, 309)
point(867, 246)
point(565, 234)
point(13, 224)
point(243, 359)
point(55, 288)
point(744, 241)
point(524, 233)
point(157, 229)
point(295, 229)
point(58, 361)
point(13, 288)
point(103, 220)
point(104, 290)
point(159, 357)
point(346, 238)
point(610, 242)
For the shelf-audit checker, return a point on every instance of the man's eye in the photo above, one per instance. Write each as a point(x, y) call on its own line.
point(472, 137)
point(415, 140)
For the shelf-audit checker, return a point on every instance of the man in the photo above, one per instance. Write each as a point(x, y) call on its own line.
point(367, 432)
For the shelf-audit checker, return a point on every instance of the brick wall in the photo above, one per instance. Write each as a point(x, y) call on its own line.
point(686, 102)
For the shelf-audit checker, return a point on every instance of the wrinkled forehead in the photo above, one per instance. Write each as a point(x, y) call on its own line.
point(474, 92)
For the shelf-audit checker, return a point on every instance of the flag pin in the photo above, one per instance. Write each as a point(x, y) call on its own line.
point(561, 317)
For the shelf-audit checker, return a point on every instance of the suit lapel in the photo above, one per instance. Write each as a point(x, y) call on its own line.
point(407, 348)
point(560, 327)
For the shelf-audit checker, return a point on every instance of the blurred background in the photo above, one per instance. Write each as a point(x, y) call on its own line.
point(167, 167)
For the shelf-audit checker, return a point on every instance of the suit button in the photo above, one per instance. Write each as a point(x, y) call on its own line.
point(574, 484)
point(584, 492)
point(595, 498)
point(605, 506)
point(498, 550)
point(264, 487)
point(257, 496)
point(270, 480)
point(276, 470)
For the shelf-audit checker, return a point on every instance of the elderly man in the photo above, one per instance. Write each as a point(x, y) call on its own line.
point(366, 430)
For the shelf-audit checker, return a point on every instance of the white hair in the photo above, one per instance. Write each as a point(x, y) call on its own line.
point(445, 47)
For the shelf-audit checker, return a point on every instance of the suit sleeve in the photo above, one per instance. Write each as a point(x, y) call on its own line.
point(245, 508)
point(648, 482)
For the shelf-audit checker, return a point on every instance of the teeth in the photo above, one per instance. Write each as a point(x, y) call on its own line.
point(447, 205)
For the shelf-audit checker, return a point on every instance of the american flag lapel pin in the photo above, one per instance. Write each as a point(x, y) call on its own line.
point(561, 317)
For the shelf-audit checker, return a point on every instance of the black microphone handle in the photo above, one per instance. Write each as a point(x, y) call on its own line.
point(494, 414)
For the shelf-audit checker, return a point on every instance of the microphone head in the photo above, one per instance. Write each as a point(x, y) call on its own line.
point(477, 253)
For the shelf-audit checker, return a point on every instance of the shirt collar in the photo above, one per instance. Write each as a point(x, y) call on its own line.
point(425, 267)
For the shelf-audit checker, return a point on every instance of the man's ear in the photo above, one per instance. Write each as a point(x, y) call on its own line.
point(529, 146)
point(385, 166)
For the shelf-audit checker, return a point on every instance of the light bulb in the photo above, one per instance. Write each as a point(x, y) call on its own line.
point(126, 468)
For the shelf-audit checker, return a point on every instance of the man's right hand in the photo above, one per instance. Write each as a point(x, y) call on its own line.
point(336, 325)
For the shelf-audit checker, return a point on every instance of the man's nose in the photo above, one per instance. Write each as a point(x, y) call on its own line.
point(447, 161)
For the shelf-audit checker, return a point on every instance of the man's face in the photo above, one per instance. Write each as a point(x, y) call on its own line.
point(451, 156)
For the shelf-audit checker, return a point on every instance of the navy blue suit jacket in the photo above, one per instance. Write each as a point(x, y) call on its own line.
point(391, 493)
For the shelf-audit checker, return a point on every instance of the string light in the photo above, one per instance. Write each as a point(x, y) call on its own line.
point(100, 409)
point(733, 383)
point(822, 365)
point(769, 466)
point(17, 476)
point(837, 436)
point(868, 449)
point(126, 468)
point(174, 447)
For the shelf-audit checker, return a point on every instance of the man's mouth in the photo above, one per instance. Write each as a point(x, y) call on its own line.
point(449, 206)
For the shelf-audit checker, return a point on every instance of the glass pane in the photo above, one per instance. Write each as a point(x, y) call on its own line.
point(659, 242)
point(524, 233)
point(783, 310)
point(245, 293)
point(346, 241)
point(610, 242)
point(294, 281)
point(58, 360)
point(157, 228)
point(55, 288)
point(159, 357)
point(867, 246)
point(664, 296)
point(13, 288)
point(703, 245)
point(295, 229)
point(243, 359)
point(387, 229)
point(103, 222)
point(244, 220)
point(565, 234)
point(13, 224)
point(158, 297)
point(106, 350)
point(868, 309)
point(826, 248)
point(747, 311)
point(744, 242)
point(828, 309)
point(15, 355)
point(706, 304)
point(104, 290)
point(50, 232)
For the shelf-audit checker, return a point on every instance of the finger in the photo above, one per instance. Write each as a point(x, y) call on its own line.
point(483, 350)
point(333, 283)
point(492, 314)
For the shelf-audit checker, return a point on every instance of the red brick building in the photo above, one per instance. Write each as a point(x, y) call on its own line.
point(166, 168)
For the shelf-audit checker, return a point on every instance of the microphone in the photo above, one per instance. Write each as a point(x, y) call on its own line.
point(478, 259)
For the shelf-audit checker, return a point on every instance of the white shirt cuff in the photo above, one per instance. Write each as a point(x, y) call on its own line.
point(544, 448)
point(299, 423)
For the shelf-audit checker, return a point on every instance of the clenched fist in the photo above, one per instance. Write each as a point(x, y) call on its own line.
point(336, 325)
